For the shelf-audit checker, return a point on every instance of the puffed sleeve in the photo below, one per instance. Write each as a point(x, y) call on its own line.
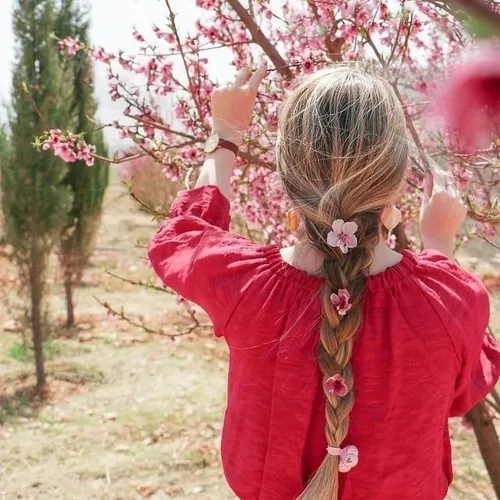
point(468, 311)
point(194, 253)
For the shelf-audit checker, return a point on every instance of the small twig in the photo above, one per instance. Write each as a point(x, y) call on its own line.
point(27, 92)
point(150, 210)
point(147, 284)
point(192, 88)
point(413, 131)
point(121, 315)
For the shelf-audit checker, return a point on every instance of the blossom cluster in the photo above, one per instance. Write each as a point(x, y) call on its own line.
point(68, 146)
point(165, 87)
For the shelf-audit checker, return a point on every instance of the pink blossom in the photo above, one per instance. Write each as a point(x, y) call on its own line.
point(207, 4)
point(341, 301)
point(470, 100)
point(191, 153)
point(308, 66)
point(100, 55)
point(138, 36)
point(70, 45)
point(349, 458)
point(68, 147)
point(65, 152)
point(336, 386)
point(342, 235)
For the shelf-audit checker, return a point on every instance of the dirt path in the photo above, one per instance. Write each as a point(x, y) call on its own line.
point(131, 416)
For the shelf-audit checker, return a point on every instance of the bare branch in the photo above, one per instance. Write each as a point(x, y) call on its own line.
point(140, 324)
point(145, 284)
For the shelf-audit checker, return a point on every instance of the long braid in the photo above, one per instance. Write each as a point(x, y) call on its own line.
point(337, 337)
point(341, 154)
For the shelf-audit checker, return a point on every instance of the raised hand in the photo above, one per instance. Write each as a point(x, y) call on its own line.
point(232, 105)
point(442, 214)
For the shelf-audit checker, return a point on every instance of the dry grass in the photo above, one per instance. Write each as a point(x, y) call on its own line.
point(129, 415)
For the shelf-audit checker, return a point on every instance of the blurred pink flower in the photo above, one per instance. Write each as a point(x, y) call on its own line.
point(70, 45)
point(469, 101)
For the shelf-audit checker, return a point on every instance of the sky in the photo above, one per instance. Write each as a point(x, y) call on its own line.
point(112, 24)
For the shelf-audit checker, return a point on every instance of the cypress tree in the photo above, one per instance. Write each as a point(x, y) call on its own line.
point(35, 203)
point(88, 185)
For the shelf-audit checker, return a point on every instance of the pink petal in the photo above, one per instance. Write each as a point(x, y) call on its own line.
point(344, 310)
point(349, 458)
point(351, 241)
point(344, 294)
point(332, 239)
point(335, 299)
point(350, 228)
point(337, 226)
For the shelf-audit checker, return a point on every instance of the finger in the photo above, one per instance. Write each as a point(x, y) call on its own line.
point(428, 186)
point(441, 181)
point(242, 77)
point(257, 77)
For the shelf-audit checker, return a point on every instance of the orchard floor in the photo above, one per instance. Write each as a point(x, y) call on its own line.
point(131, 415)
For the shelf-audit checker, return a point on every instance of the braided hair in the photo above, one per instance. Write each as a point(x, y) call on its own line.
point(341, 154)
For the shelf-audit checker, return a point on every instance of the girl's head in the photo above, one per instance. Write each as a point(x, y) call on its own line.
point(341, 154)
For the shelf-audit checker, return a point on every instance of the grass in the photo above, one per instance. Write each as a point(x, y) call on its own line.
point(52, 348)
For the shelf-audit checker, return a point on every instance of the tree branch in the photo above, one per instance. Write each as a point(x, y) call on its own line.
point(413, 131)
point(261, 39)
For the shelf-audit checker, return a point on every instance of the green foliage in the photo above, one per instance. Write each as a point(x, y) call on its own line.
point(52, 348)
point(35, 202)
point(480, 28)
point(87, 185)
point(20, 352)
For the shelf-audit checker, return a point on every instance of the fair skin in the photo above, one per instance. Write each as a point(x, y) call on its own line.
point(442, 212)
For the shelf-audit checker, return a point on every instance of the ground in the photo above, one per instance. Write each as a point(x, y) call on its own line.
point(130, 415)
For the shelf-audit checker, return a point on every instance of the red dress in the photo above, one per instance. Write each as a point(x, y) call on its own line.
point(421, 357)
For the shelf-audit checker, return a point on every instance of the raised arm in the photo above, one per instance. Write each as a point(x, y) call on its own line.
point(232, 108)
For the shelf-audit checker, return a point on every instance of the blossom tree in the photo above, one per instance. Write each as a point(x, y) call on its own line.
point(410, 42)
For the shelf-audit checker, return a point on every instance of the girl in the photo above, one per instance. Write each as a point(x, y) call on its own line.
point(339, 314)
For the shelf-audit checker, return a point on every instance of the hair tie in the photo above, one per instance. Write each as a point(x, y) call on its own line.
point(349, 456)
point(342, 235)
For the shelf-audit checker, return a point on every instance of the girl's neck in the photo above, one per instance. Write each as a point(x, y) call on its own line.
point(307, 258)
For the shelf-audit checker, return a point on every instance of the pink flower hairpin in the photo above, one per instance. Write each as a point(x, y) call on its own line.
point(341, 301)
point(336, 386)
point(349, 457)
point(342, 235)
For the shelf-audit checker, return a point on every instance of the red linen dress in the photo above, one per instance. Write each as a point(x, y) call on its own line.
point(421, 357)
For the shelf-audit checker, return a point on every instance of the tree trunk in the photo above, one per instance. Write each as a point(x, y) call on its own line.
point(487, 439)
point(70, 309)
point(36, 291)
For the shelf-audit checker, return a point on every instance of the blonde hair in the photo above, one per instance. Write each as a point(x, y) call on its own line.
point(341, 154)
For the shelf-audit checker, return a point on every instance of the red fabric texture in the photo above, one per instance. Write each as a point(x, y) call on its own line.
point(421, 356)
